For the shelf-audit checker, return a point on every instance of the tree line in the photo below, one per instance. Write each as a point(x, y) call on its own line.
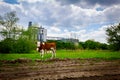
point(89, 44)
point(19, 40)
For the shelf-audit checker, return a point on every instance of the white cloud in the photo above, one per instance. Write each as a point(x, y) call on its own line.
point(63, 20)
point(55, 29)
point(98, 35)
point(1, 0)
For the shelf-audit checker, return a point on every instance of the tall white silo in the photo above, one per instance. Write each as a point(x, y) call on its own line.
point(42, 34)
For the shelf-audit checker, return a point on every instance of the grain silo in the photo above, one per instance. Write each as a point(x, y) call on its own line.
point(42, 34)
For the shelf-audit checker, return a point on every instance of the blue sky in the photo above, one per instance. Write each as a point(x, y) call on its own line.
point(11, 1)
point(83, 19)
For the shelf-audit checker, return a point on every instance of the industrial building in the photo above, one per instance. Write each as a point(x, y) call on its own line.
point(41, 35)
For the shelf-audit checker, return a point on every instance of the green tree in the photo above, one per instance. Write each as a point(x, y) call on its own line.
point(23, 45)
point(6, 46)
point(8, 23)
point(31, 32)
point(20, 45)
point(103, 46)
point(90, 44)
point(113, 38)
point(10, 31)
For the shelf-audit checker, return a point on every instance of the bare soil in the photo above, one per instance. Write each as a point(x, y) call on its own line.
point(64, 69)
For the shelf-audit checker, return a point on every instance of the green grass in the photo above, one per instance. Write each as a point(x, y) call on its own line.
point(88, 54)
point(65, 54)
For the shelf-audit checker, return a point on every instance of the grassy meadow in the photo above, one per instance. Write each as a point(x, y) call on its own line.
point(62, 54)
point(89, 54)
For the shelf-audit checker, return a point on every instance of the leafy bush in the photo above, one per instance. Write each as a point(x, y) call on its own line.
point(91, 44)
point(16, 46)
point(23, 46)
point(64, 45)
point(103, 46)
point(114, 47)
point(6, 46)
point(69, 45)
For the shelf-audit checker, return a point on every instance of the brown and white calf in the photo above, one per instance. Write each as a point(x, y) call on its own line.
point(44, 47)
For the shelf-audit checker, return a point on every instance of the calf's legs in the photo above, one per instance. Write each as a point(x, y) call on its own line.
point(42, 53)
point(53, 53)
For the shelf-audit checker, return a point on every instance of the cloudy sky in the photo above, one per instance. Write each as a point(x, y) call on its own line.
point(82, 19)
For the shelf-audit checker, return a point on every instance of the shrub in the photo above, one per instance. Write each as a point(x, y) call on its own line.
point(114, 47)
point(23, 46)
point(6, 46)
point(91, 44)
point(16, 46)
point(103, 46)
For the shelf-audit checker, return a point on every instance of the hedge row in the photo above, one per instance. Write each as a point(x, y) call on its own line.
point(16, 46)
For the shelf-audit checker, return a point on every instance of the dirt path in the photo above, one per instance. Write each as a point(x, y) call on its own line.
point(77, 69)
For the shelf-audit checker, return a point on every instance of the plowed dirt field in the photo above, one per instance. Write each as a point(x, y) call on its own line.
point(65, 69)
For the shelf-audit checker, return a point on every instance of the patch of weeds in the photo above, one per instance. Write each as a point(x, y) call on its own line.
point(113, 58)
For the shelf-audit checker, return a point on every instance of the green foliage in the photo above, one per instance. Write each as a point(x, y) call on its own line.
point(81, 45)
point(64, 45)
point(6, 46)
point(69, 45)
point(23, 46)
point(103, 46)
point(16, 46)
point(59, 45)
point(30, 33)
point(89, 44)
point(113, 38)
point(114, 47)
